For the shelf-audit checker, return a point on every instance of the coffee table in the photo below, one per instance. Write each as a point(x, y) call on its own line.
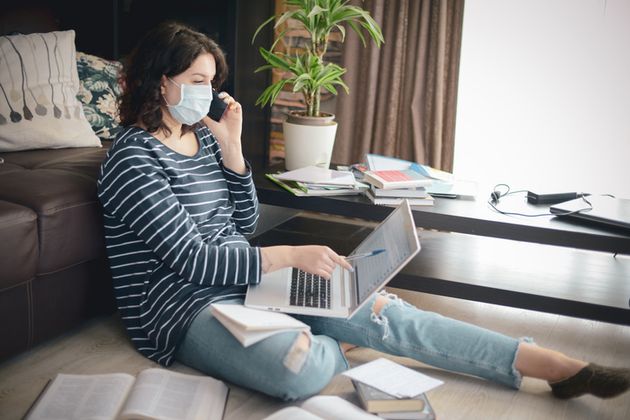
point(471, 252)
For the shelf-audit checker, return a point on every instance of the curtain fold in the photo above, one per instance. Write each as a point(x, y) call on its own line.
point(403, 97)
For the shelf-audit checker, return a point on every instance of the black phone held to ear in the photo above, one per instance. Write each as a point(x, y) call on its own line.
point(217, 106)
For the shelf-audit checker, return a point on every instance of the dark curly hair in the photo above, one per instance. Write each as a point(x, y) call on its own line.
point(168, 49)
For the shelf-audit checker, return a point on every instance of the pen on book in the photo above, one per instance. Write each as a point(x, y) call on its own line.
point(364, 255)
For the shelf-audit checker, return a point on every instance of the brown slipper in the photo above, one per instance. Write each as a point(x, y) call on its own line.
point(601, 381)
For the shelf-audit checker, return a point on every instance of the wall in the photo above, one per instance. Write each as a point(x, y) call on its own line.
point(544, 95)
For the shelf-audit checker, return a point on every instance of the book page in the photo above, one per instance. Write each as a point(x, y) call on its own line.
point(247, 338)
point(83, 397)
point(165, 395)
point(335, 408)
point(392, 378)
point(316, 175)
point(255, 319)
point(292, 413)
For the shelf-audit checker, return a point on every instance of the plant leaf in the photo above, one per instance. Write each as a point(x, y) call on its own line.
point(275, 60)
point(262, 25)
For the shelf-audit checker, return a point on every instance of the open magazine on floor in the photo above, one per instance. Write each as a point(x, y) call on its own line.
point(156, 394)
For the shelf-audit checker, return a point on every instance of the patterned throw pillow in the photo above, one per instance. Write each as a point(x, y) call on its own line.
point(38, 88)
point(99, 92)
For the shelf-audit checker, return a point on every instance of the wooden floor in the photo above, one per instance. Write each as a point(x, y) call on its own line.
point(101, 346)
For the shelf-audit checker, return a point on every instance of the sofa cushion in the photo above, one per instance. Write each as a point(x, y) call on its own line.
point(39, 84)
point(98, 91)
point(83, 160)
point(15, 328)
point(58, 185)
point(18, 247)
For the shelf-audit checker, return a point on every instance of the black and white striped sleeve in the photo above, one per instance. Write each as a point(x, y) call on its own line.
point(242, 188)
point(135, 189)
point(243, 196)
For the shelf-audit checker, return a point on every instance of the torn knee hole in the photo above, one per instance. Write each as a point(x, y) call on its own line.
point(303, 341)
point(295, 358)
point(376, 316)
point(379, 303)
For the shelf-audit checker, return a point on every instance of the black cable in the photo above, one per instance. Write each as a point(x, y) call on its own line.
point(497, 194)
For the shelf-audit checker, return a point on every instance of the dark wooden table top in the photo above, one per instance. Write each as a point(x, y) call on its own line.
point(473, 217)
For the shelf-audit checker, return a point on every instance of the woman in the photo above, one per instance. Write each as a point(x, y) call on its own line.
point(178, 196)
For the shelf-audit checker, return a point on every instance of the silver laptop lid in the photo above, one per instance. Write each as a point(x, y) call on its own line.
point(397, 235)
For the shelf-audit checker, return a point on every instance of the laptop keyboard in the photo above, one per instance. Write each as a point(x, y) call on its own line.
point(309, 290)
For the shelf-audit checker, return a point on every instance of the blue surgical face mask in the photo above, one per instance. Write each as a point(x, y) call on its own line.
point(194, 103)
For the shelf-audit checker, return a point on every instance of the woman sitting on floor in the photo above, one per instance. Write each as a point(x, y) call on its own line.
point(178, 197)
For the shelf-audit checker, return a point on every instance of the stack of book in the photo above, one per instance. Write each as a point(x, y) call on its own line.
point(315, 181)
point(389, 407)
point(393, 391)
point(392, 186)
point(437, 183)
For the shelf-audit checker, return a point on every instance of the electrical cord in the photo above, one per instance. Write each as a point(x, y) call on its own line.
point(503, 190)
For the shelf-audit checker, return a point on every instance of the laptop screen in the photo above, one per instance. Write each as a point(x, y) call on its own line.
point(397, 235)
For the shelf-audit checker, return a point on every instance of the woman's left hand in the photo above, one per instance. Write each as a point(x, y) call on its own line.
point(228, 132)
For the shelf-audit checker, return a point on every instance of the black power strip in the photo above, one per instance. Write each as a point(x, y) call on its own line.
point(534, 198)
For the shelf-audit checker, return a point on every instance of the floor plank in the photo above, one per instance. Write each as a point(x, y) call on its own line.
point(101, 346)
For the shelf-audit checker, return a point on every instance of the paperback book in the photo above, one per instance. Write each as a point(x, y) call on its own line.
point(250, 325)
point(155, 394)
point(379, 162)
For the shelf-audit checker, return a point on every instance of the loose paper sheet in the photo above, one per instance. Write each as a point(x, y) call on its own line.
point(392, 378)
point(316, 175)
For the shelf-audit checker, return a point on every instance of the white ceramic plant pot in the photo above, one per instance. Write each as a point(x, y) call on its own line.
point(306, 145)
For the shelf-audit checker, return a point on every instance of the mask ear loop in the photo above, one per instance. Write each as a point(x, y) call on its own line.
point(181, 92)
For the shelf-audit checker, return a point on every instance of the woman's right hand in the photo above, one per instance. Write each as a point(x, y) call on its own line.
point(315, 259)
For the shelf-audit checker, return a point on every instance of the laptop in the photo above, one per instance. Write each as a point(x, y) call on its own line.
point(606, 210)
point(294, 291)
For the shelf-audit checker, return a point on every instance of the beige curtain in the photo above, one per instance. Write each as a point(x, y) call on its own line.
point(403, 96)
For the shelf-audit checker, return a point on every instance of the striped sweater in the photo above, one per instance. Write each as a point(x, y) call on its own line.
point(174, 228)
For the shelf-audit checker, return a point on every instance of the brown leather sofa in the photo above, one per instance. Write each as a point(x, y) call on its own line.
point(53, 266)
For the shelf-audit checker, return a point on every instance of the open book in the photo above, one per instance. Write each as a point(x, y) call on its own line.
point(323, 407)
point(250, 325)
point(154, 394)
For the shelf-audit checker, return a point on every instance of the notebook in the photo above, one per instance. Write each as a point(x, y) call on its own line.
point(294, 291)
point(606, 210)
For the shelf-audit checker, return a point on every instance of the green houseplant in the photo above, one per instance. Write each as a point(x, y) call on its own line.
point(307, 72)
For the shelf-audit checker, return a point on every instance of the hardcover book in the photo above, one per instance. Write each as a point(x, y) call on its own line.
point(390, 407)
point(395, 201)
point(420, 192)
point(394, 178)
point(156, 394)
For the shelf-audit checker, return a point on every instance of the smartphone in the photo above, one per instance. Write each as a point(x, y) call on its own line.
point(217, 107)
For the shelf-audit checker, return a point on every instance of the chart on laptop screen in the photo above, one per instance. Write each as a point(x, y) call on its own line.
point(399, 244)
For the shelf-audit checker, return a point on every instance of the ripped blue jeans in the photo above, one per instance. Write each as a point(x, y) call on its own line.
point(279, 366)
